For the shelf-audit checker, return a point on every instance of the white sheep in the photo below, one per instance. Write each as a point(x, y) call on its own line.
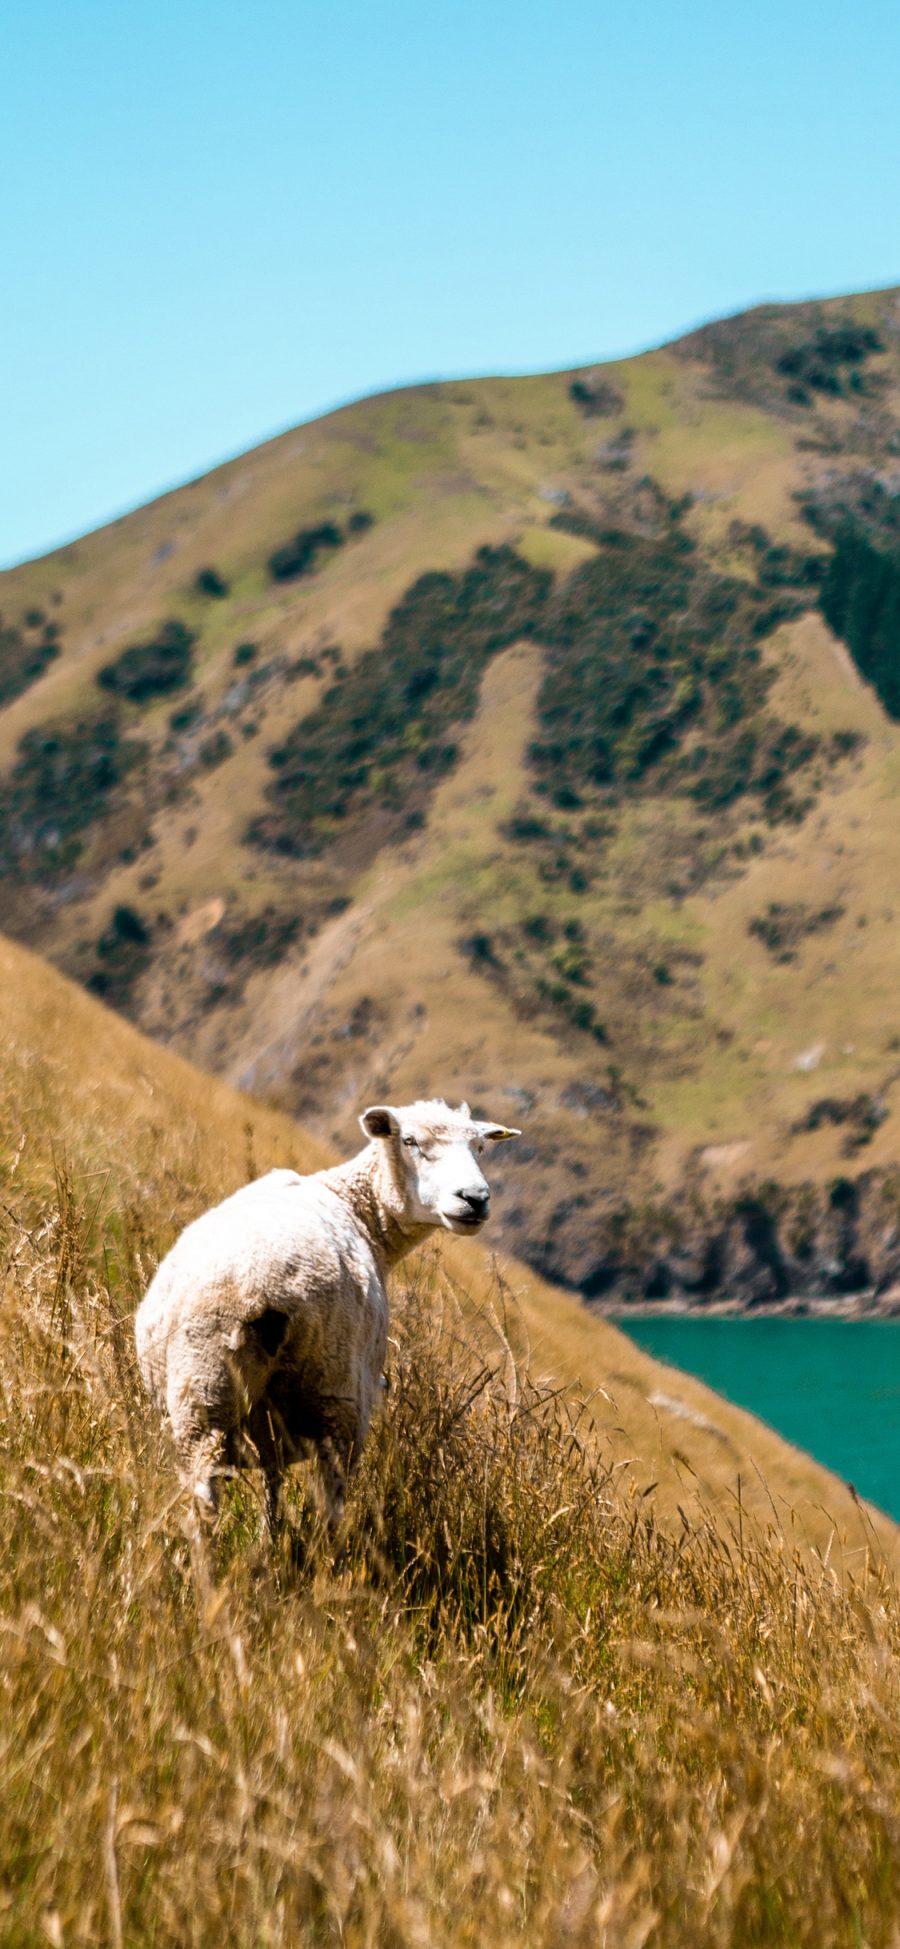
point(263, 1334)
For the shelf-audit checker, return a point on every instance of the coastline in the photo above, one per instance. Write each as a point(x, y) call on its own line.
point(850, 1306)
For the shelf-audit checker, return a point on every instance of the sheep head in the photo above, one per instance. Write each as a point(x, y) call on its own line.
point(432, 1151)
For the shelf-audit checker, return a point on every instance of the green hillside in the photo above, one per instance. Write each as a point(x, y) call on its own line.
point(533, 740)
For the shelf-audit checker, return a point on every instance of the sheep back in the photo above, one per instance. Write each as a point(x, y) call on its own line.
point(282, 1249)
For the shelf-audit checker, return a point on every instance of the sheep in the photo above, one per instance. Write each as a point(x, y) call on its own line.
point(263, 1333)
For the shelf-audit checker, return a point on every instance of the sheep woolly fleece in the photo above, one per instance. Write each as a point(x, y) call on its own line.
point(263, 1334)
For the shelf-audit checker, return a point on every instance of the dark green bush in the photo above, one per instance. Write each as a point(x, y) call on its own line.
point(127, 925)
point(479, 949)
point(576, 1010)
point(785, 924)
point(595, 398)
point(187, 715)
point(208, 582)
point(260, 938)
point(623, 681)
point(245, 653)
point(831, 362)
point(538, 927)
point(22, 660)
point(123, 954)
point(777, 566)
point(301, 555)
point(653, 677)
point(154, 668)
point(64, 779)
point(861, 603)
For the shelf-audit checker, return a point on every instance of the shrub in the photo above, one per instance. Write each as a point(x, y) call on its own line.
point(215, 749)
point(578, 1011)
point(861, 603)
point(379, 736)
point(777, 566)
point(22, 660)
point(123, 953)
point(262, 939)
point(304, 666)
point(154, 668)
point(245, 653)
point(301, 555)
point(479, 949)
point(653, 678)
point(64, 779)
point(863, 1114)
point(783, 926)
point(595, 398)
point(208, 582)
point(187, 715)
point(830, 362)
point(128, 926)
point(537, 927)
point(573, 963)
point(360, 520)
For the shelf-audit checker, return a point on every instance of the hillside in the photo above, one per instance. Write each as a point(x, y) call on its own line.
point(142, 1141)
point(624, 1672)
point(530, 740)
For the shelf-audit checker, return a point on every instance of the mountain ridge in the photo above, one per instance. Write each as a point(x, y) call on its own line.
point(645, 901)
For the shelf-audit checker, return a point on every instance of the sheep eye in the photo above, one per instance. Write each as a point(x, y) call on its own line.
point(411, 1143)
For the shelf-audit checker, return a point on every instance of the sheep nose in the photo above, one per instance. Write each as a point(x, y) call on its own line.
point(477, 1201)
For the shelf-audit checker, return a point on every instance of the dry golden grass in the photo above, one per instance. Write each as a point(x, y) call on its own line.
point(516, 1710)
point(520, 1708)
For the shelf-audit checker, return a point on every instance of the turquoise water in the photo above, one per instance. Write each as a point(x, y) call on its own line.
point(830, 1386)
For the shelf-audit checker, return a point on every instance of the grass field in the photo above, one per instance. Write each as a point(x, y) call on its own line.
point(601, 1660)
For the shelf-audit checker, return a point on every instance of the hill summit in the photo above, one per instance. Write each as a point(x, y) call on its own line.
point(530, 740)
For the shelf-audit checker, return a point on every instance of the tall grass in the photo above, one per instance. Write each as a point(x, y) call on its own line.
point(514, 1710)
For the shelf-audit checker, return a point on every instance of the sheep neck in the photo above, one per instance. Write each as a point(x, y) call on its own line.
point(368, 1186)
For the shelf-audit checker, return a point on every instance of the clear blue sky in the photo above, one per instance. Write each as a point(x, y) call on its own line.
point(217, 219)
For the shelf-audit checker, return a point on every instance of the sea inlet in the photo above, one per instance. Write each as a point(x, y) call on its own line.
point(830, 1386)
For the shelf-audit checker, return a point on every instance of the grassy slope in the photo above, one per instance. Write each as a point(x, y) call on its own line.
point(713, 1061)
point(140, 1132)
point(531, 1704)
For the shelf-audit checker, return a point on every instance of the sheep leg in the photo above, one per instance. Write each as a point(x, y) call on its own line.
point(202, 1461)
point(272, 1480)
point(334, 1480)
point(267, 1448)
point(200, 1445)
point(338, 1450)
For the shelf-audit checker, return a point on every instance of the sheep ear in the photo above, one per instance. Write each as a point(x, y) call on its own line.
point(379, 1121)
point(497, 1133)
